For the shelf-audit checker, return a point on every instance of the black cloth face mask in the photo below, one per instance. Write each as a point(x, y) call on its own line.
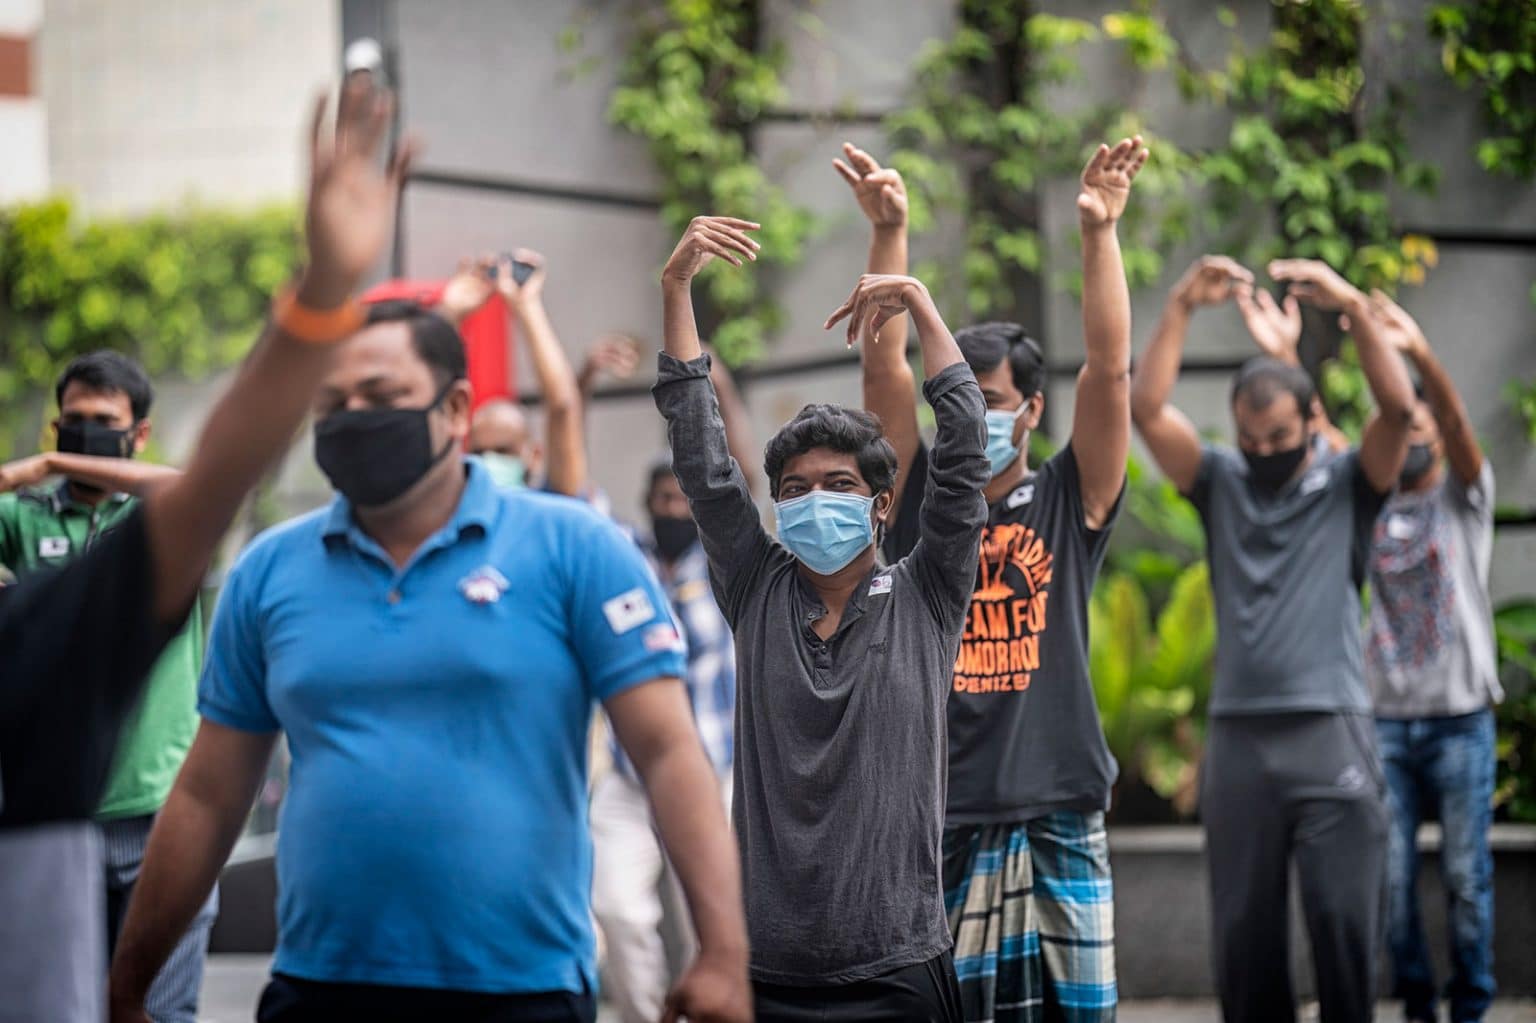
point(372, 456)
point(1420, 460)
point(1271, 472)
point(673, 535)
point(88, 438)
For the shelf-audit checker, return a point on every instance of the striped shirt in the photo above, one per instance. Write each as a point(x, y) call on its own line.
point(711, 657)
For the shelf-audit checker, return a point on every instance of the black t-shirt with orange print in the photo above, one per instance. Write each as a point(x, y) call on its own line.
point(1024, 732)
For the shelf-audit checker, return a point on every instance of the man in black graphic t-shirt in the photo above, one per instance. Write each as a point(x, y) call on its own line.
point(1029, 771)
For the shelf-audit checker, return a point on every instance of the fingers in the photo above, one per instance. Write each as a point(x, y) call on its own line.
point(841, 311)
point(735, 242)
point(1137, 163)
point(1227, 267)
point(532, 257)
point(1098, 162)
point(400, 164)
point(375, 125)
point(319, 146)
point(861, 161)
point(848, 173)
point(1296, 269)
point(1292, 310)
point(1266, 303)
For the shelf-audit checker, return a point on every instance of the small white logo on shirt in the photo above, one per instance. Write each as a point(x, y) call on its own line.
point(53, 546)
point(1021, 496)
point(484, 585)
point(1401, 527)
point(628, 611)
point(1351, 779)
point(880, 584)
point(1314, 481)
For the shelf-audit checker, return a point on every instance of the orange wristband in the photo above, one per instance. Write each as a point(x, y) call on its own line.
point(315, 326)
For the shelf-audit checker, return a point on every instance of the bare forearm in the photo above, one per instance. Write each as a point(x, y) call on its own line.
point(1158, 369)
point(567, 450)
point(1106, 303)
point(933, 336)
point(1385, 372)
point(680, 331)
point(1456, 434)
point(117, 474)
point(557, 380)
point(187, 849)
point(686, 802)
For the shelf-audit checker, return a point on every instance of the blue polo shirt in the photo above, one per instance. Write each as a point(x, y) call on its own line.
point(435, 828)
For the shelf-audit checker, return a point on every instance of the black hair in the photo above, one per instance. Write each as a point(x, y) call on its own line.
point(660, 469)
point(437, 342)
point(848, 430)
point(106, 370)
point(986, 345)
point(1262, 379)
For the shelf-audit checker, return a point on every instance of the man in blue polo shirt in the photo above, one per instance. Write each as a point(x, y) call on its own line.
point(431, 645)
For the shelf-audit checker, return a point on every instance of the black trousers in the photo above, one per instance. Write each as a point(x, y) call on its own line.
point(923, 993)
point(1309, 788)
point(293, 1000)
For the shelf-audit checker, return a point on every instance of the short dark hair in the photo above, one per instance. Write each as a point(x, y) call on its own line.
point(986, 345)
point(848, 430)
point(106, 370)
point(1262, 379)
point(436, 341)
point(660, 469)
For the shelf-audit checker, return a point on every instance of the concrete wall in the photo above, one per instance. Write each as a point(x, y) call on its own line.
point(150, 103)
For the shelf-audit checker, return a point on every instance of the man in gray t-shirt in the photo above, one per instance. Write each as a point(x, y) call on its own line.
point(843, 667)
point(1433, 673)
point(1290, 772)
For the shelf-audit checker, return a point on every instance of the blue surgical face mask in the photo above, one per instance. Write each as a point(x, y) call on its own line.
point(505, 470)
point(1001, 450)
point(825, 530)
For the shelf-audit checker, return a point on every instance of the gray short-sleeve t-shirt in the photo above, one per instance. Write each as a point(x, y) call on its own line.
point(1429, 634)
point(1286, 573)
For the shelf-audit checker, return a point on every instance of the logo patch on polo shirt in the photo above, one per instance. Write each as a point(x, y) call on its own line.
point(1022, 496)
point(880, 584)
point(663, 637)
point(1314, 481)
point(628, 611)
point(52, 546)
point(484, 585)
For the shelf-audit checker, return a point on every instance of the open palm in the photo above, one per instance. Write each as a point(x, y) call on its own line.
point(1106, 182)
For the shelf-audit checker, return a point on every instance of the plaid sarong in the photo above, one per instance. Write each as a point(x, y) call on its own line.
point(1031, 907)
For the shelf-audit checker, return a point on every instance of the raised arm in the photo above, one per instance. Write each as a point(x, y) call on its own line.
point(614, 354)
point(117, 475)
point(1276, 330)
point(890, 390)
point(729, 525)
point(567, 451)
point(350, 218)
point(1101, 420)
point(654, 725)
point(1456, 433)
point(1384, 444)
point(1168, 433)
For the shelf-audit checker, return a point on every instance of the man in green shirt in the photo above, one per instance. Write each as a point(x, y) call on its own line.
point(104, 400)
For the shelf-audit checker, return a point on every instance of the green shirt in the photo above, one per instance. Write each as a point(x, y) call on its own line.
point(47, 527)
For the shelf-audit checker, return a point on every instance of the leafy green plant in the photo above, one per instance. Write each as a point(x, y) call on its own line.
point(1521, 395)
point(696, 80)
point(1515, 631)
point(183, 292)
point(1490, 46)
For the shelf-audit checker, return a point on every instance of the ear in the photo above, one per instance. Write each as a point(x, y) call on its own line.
point(1036, 407)
point(140, 436)
point(458, 404)
point(883, 502)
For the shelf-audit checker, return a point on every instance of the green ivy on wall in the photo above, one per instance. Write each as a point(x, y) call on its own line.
point(183, 292)
point(697, 78)
point(1490, 46)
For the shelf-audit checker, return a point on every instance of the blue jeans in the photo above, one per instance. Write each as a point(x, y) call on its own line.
point(1445, 765)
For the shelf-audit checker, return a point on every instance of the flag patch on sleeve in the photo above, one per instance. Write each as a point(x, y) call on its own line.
point(663, 637)
point(628, 611)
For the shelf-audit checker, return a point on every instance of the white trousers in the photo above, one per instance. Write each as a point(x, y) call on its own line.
point(630, 881)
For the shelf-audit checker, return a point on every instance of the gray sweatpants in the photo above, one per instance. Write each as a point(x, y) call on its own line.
point(1310, 787)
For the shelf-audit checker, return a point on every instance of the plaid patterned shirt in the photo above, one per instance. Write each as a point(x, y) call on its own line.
point(711, 657)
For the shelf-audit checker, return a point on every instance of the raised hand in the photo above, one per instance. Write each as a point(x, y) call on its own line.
point(1106, 183)
point(532, 289)
point(876, 300)
point(1210, 280)
point(710, 238)
point(617, 355)
point(881, 193)
point(1316, 283)
point(1399, 329)
point(350, 215)
point(1275, 328)
point(468, 289)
